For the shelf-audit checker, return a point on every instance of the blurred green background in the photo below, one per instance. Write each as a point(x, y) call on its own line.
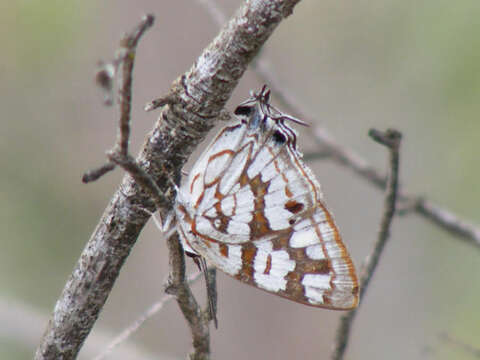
point(354, 65)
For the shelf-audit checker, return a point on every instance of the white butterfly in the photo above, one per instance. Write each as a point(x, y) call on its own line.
point(254, 210)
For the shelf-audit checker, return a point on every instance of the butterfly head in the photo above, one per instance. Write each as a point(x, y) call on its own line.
point(255, 109)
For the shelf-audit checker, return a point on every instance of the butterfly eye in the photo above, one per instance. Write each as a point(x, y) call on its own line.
point(243, 110)
point(279, 137)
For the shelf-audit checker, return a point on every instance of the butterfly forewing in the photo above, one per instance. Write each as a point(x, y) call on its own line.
point(253, 209)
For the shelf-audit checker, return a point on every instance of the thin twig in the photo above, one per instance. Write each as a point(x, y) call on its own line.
point(345, 156)
point(133, 328)
point(95, 174)
point(391, 139)
point(133, 168)
point(448, 221)
point(125, 59)
point(120, 156)
point(125, 102)
point(437, 215)
point(177, 286)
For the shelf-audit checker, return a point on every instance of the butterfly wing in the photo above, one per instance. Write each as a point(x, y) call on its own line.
point(253, 209)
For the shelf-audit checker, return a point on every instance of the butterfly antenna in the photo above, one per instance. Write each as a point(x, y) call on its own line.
point(263, 97)
point(266, 94)
point(294, 119)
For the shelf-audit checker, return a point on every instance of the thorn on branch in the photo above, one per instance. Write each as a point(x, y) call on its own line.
point(97, 173)
point(155, 104)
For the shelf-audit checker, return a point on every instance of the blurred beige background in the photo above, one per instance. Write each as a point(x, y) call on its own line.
point(355, 65)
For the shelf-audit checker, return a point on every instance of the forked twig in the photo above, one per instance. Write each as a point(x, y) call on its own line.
point(124, 60)
point(123, 65)
point(391, 139)
point(119, 155)
point(132, 167)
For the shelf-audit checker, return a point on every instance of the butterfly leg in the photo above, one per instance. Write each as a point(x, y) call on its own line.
point(210, 276)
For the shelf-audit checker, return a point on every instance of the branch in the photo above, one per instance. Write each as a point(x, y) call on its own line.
point(197, 99)
point(390, 139)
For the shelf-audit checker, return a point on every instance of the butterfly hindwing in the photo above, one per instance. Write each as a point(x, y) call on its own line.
point(253, 209)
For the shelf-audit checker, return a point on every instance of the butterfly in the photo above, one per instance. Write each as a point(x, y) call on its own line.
point(254, 210)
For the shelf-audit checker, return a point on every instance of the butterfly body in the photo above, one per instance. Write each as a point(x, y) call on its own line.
point(253, 209)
